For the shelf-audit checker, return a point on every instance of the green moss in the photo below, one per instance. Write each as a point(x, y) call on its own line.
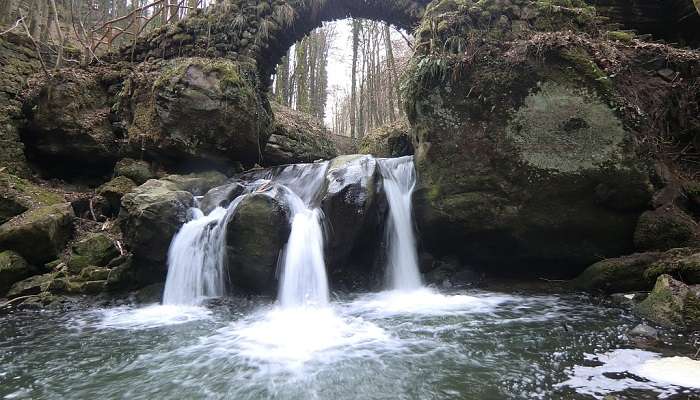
point(622, 36)
point(583, 63)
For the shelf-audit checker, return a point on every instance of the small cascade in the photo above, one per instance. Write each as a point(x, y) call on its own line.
point(399, 179)
point(303, 280)
point(196, 258)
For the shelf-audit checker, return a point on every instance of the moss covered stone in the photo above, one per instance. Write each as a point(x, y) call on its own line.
point(390, 140)
point(665, 228)
point(13, 268)
point(114, 190)
point(95, 250)
point(39, 235)
point(18, 195)
point(672, 304)
point(622, 274)
point(138, 171)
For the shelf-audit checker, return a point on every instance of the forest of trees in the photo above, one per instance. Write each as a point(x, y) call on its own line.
point(93, 26)
point(373, 96)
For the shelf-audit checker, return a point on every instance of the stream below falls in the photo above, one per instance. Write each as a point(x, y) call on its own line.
point(416, 344)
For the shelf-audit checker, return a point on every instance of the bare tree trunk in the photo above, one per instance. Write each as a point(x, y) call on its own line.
point(353, 92)
point(59, 57)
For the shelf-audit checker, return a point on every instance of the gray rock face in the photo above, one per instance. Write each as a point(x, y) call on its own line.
point(255, 235)
point(220, 196)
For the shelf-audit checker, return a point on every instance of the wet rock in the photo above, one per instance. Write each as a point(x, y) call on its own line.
point(627, 300)
point(297, 138)
point(149, 218)
point(114, 190)
point(665, 228)
point(391, 140)
point(353, 207)
point(672, 304)
point(138, 171)
point(39, 235)
point(255, 236)
point(13, 268)
point(644, 331)
point(220, 196)
point(95, 250)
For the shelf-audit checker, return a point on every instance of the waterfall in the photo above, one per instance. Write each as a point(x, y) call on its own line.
point(303, 280)
point(196, 258)
point(399, 179)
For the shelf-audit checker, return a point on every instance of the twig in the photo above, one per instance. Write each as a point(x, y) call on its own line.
point(13, 27)
point(92, 211)
point(17, 298)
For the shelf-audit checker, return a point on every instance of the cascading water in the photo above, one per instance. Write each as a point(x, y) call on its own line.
point(399, 179)
point(303, 280)
point(196, 258)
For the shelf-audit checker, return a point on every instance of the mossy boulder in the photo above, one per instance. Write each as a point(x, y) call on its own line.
point(665, 228)
point(18, 195)
point(622, 274)
point(196, 109)
point(390, 140)
point(639, 271)
point(149, 218)
point(39, 235)
point(95, 250)
point(672, 304)
point(524, 158)
point(114, 190)
point(13, 268)
point(138, 171)
point(297, 138)
point(255, 236)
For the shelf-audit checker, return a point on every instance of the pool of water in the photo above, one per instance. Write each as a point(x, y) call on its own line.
point(390, 345)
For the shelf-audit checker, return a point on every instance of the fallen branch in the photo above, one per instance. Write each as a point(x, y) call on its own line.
point(13, 27)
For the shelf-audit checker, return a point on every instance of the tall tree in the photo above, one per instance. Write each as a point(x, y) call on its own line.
point(356, 26)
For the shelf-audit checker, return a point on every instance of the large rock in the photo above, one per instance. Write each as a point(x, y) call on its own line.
point(31, 286)
point(196, 109)
point(255, 236)
point(149, 218)
point(665, 228)
point(672, 304)
point(524, 159)
point(18, 195)
point(138, 171)
point(390, 140)
point(39, 235)
point(114, 190)
point(354, 207)
point(68, 124)
point(197, 183)
point(13, 268)
point(638, 272)
point(297, 138)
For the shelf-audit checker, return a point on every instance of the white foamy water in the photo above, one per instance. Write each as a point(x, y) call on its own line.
point(150, 317)
point(290, 337)
point(426, 301)
point(664, 375)
point(399, 179)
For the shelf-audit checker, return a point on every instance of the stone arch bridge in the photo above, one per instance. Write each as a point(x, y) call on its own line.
point(264, 30)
